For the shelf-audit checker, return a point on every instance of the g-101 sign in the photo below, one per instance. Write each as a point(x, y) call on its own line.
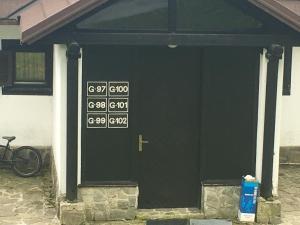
point(107, 104)
point(118, 105)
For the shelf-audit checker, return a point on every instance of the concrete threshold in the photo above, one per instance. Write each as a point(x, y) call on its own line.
point(176, 213)
point(173, 222)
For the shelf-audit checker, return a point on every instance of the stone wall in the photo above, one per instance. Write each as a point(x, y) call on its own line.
point(220, 201)
point(290, 155)
point(109, 203)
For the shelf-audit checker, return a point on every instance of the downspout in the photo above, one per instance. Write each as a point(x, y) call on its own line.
point(73, 54)
point(274, 54)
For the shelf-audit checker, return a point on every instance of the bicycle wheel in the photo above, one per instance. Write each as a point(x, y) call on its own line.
point(26, 161)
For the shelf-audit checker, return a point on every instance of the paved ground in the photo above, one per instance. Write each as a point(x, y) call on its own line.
point(25, 201)
point(289, 192)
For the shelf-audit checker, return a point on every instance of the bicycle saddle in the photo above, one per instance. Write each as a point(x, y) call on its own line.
point(9, 138)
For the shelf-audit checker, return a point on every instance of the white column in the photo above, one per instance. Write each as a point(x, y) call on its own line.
point(79, 117)
point(278, 127)
point(261, 113)
point(261, 120)
point(60, 114)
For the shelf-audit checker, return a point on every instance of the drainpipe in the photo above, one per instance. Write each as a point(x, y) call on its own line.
point(274, 54)
point(73, 54)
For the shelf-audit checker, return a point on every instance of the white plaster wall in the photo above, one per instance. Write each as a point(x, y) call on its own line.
point(10, 32)
point(29, 118)
point(290, 123)
point(60, 114)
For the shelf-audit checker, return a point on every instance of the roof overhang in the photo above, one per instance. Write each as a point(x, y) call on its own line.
point(287, 11)
point(45, 17)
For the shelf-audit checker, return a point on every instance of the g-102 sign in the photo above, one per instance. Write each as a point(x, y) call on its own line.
point(117, 120)
point(107, 104)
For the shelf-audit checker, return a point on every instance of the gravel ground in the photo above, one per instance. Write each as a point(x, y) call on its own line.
point(29, 201)
point(26, 201)
point(289, 194)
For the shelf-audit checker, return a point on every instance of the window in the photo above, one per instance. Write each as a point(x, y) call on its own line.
point(31, 73)
point(130, 15)
point(184, 16)
point(30, 67)
point(212, 16)
point(5, 66)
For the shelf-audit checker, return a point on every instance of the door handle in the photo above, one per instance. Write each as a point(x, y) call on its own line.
point(142, 142)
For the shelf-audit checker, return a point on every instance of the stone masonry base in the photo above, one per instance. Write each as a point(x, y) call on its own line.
point(109, 203)
point(118, 206)
point(220, 201)
point(268, 212)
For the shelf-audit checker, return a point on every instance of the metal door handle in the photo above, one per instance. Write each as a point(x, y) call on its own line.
point(141, 142)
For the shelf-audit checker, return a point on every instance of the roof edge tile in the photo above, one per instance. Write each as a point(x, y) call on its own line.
point(45, 26)
point(280, 12)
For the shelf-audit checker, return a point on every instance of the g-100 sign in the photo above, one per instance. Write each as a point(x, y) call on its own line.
point(118, 88)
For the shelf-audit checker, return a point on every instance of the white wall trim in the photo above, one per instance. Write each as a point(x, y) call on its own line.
point(261, 114)
point(261, 120)
point(278, 126)
point(60, 114)
point(79, 118)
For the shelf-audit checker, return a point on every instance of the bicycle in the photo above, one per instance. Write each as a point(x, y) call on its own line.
point(25, 161)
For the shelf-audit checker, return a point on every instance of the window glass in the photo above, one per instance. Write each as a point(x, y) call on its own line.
point(130, 15)
point(30, 67)
point(212, 16)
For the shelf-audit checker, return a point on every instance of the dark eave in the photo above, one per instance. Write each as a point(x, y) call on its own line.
point(9, 22)
point(287, 11)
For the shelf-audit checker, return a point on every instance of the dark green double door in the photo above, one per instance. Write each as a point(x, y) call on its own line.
point(160, 149)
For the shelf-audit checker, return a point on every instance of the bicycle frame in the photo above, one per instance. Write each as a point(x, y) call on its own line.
point(7, 149)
